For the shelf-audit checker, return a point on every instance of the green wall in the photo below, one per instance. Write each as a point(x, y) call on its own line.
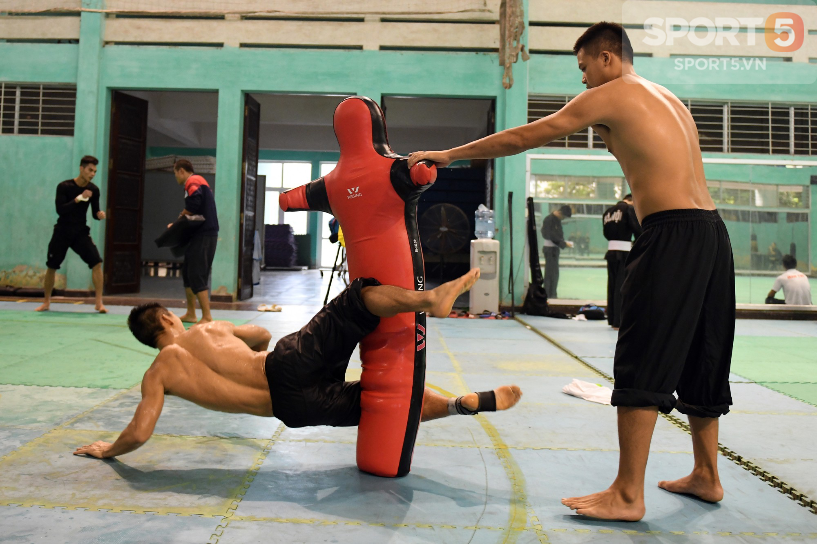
point(231, 72)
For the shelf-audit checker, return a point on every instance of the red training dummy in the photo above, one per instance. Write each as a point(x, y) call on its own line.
point(374, 196)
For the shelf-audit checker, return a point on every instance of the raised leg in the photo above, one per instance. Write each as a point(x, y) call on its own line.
point(703, 482)
point(190, 316)
point(96, 275)
point(624, 500)
point(48, 287)
point(435, 405)
point(204, 301)
point(388, 300)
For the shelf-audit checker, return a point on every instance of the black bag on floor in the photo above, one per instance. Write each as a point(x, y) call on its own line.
point(592, 312)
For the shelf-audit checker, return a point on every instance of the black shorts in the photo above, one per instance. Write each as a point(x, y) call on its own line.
point(198, 262)
point(78, 239)
point(678, 316)
point(307, 370)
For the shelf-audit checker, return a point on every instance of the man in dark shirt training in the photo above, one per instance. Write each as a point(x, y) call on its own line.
point(198, 257)
point(71, 231)
point(553, 243)
point(620, 224)
point(678, 307)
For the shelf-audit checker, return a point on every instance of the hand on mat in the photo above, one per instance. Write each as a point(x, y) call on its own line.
point(439, 157)
point(97, 449)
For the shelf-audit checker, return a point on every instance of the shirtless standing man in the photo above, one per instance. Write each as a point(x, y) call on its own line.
point(678, 315)
point(226, 368)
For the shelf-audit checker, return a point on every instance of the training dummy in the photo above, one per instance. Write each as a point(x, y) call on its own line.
point(374, 196)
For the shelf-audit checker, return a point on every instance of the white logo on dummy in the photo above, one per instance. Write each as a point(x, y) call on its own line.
point(354, 192)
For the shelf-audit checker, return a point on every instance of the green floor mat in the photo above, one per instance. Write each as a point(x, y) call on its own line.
point(775, 358)
point(71, 350)
point(806, 392)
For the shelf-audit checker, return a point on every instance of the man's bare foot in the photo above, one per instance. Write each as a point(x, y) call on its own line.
point(188, 318)
point(204, 320)
point(609, 504)
point(44, 307)
point(506, 397)
point(443, 297)
point(101, 308)
point(706, 489)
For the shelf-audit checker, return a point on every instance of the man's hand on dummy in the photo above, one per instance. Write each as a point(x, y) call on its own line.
point(440, 158)
point(97, 449)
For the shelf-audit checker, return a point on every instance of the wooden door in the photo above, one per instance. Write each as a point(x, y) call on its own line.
point(126, 180)
point(249, 185)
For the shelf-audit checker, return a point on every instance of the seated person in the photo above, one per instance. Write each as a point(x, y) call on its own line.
point(795, 285)
point(227, 368)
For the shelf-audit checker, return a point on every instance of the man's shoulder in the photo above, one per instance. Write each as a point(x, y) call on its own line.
point(68, 183)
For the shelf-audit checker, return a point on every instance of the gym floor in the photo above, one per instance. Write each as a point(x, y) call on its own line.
point(71, 377)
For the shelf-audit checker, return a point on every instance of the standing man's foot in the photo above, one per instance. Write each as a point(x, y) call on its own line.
point(204, 320)
point(44, 307)
point(188, 318)
point(706, 489)
point(609, 504)
point(443, 297)
point(506, 397)
point(101, 308)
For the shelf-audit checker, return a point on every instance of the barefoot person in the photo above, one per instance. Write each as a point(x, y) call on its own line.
point(74, 196)
point(678, 311)
point(198, 257)
point(301, 382)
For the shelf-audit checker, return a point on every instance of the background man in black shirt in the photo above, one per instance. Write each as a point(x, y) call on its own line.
point(620, 225)
point(71, 231)
point(198, 257)
point(553, 244)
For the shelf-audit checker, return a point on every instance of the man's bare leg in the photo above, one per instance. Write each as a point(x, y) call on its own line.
point(48, 287)
point(704, 481)
point(190, 316)
point(204, 301)
point(96, 276)
point(388, 300)
point(435, 405)
point(624, 500)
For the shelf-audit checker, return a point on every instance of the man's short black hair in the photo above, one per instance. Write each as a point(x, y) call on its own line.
point(88, 159)
point(628, 196)
point(605, 36)
point(566, 210)
point(184, 163)
point(789, 262)
point(144, 322)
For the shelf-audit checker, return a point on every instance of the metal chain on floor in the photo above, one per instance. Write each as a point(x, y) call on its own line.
point(766, 476)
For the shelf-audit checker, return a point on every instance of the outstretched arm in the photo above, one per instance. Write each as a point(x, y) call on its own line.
point(257, 338)
point(591, 107)
point(141, 426)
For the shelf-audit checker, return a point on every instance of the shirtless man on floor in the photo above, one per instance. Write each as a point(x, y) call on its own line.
point(228, 368)
point(678, 310)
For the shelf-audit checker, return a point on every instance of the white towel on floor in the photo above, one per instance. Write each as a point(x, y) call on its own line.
point(589, 391)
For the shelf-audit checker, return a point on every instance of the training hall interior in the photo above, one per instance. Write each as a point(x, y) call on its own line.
point(254, 95)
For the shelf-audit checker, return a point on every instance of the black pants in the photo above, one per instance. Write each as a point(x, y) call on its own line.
point(307, 370)
point(198, 262)
point(678, 316)
point(615, 279)
point(77, 239)
point(551, 270)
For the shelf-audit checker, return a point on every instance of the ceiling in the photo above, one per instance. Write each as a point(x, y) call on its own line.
point(304, 122)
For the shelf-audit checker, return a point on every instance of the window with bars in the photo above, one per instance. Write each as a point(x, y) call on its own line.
point(39, 110)
point(723, 127)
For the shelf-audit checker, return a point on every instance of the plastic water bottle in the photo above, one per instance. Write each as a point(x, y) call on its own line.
point(484, 222)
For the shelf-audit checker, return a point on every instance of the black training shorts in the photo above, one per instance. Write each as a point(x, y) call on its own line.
point(77, 239)
point(198, 262)
point(678, 316)
point(307, 369)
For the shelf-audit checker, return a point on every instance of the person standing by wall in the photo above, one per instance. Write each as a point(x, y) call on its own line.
point(72, 231)
point(198, 257)
point(553, 244)
point(620, 225)
point(794, 283)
